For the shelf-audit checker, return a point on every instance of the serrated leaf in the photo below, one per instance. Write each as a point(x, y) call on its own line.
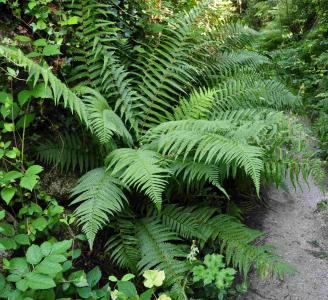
point(33, 254)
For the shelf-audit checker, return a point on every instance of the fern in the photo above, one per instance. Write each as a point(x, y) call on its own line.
point(98, 195)
point(69, 152)
point(203, 141)
point(196, 107)
point(158, 251)
point(123, 246)
point(102, 120)
point(59, 89)
point(143, 169)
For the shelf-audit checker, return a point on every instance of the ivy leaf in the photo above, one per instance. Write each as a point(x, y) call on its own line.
point(30, 178)
point(8, 193)
point(33, 254)
point(2, 214)
point(51, 50)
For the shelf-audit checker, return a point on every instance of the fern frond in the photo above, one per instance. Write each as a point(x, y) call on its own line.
point(203, 141)
point(193, 173)
point(69, 152)
point(98, 195)
point(142, 169)
point(123, 246)
point(196, 107)
point(103, 121)
point(164, 72)
point(159, 252)
point(58, 88)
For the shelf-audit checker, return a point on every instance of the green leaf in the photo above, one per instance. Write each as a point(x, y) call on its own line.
point(11, 154)
point(7, 229)
point(2, 282)
point(94, 276)
point(112, 278)
point(41, 25)
point(127, 288)
point(40, 43)
point(12, 175)
point(61, 247)
point(23, 38)
point(22, 285)
point(2, 214)
point(48, 267)
point(9, 127)
point(33, 254)
point(78, 278)
point(51, 50)
point(25, 121)
point(71, 21)
point(22, 239)
point(23, 96)
point(153, 278)
point(7, 244)
point(147, 295)
point(41, 91)
point(8, 193)
point(18, 265)
point(40, 224)
point(30, 178)
point(46, 248)
point(57, 258)
point(127, 277)
point(39, 281)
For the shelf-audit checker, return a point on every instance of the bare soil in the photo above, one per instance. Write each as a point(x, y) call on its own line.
point(300, 235)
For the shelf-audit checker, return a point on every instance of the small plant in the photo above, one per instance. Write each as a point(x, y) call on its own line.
point(214, 272)
point(322, 205)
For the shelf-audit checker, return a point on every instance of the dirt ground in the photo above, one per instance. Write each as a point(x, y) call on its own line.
point(300, 235)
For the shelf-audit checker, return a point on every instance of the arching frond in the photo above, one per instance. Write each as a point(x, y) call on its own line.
point(103, 121)
point(123, 246)
point(99, 195)
point(36, 71)
point(203, 141)
point(69, 152)
point(196, 107)
point(142, 169)
point(159, 252)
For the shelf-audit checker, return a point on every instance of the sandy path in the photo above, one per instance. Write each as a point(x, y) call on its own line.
point(291, 224)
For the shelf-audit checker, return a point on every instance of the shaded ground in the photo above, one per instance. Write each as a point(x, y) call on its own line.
point(300, 235)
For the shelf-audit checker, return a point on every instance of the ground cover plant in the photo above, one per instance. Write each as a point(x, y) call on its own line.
point(160, 115)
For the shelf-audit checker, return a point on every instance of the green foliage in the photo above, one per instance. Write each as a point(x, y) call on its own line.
point(101, 196)
point(188, 107)
point(215, 272)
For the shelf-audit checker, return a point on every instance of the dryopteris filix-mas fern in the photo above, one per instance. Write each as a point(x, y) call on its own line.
point(192, 108)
